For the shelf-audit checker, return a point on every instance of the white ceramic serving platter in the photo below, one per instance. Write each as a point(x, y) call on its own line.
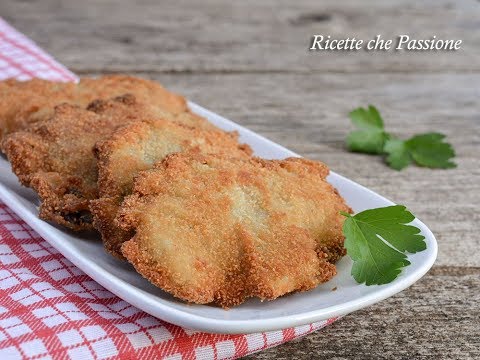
point(253, 316)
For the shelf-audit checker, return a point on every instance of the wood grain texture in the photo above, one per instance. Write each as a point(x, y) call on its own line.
point(248, 61)
point(244, 36)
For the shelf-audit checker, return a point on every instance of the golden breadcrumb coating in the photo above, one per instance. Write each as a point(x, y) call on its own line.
point(137, 147)
point(55, 156)
point(212, 229)
point(25, 102)
point(142, 110)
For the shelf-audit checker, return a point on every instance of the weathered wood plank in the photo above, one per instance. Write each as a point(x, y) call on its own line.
point(308, 114)
point(437, 318)
point(245, 36)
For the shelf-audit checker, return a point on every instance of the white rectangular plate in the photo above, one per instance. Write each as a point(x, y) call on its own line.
point(253, 316)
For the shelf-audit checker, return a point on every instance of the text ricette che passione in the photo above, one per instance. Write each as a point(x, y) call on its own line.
point(401, 42)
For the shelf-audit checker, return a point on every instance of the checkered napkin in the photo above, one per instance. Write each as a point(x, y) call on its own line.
point(50, 309)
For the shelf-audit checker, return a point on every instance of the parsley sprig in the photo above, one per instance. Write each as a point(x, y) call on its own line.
point(427, 150)
point(371, 136)
point(377, 241)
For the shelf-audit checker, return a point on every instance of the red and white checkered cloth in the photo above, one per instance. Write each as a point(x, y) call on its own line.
point(50, 309)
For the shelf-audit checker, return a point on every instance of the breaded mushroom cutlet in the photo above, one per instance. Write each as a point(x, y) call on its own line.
point(137, 147)
point(211, 229)
point(25, 102)
point(55, 156)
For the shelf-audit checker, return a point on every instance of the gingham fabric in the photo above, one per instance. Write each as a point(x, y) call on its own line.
point(50, 309)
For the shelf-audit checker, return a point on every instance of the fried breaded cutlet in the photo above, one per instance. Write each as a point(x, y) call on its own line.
point(211, 229)
point(137, 147)
point(55, 157)
point(25, 102)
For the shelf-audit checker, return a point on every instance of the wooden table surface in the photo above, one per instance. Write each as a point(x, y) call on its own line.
point(249, 62)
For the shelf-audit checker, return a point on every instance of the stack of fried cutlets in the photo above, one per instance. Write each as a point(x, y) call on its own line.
point(183, 201)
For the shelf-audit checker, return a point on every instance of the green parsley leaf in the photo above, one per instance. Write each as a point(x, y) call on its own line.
point(367, 118)
point(425, 149)
point(371, 136)
point(429, 150)
point(398, 156)
point(377, 240)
